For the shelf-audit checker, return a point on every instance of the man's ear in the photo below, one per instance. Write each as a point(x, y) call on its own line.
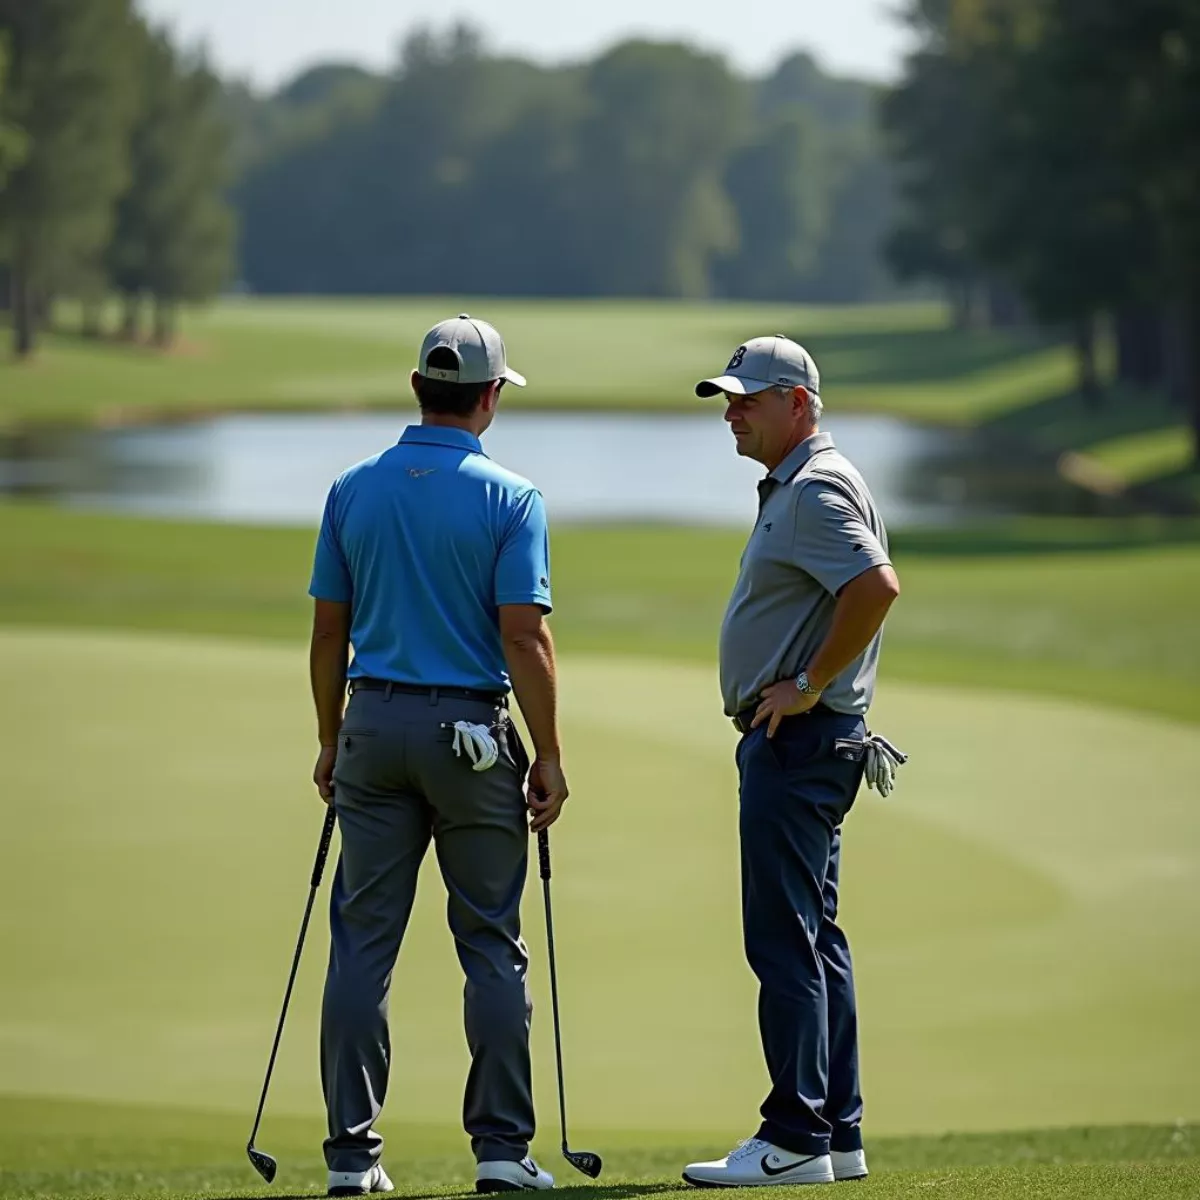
point(489, 396)
point(800, 400)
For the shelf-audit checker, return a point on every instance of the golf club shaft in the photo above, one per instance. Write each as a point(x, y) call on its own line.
point(544, 865)
point(314, 883)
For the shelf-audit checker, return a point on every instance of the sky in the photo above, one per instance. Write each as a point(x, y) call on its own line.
point(268, 41)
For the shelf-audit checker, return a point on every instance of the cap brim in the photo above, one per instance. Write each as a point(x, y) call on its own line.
point(731, 383)
point(514, 377)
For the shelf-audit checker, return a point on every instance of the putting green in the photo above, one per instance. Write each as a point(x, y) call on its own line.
point(1025, 914)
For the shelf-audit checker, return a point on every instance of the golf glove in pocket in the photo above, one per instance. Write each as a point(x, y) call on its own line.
point(882, 761)
point(478, 744)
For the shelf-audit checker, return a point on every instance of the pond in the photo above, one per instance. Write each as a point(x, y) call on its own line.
point(276, 469)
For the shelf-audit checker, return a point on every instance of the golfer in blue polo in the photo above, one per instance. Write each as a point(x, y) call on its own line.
point(799, 652)
point(433, 563)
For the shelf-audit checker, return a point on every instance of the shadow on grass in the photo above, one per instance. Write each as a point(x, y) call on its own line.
point(1068, 420)
point(598, 1191)
point(919, 355)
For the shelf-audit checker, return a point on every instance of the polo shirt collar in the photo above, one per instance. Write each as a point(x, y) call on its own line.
point(800, 455)
point(442, 435)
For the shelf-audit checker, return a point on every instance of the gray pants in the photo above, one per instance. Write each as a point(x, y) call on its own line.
point(397, 785)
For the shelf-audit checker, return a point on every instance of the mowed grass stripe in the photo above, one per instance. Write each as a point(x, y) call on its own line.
point(300, 353)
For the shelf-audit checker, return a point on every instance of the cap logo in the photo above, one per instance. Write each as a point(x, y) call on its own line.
point(441, 373)
point(736, 360)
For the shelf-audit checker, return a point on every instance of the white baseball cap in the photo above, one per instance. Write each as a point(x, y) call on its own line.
point(765, 362)
point(478, 347)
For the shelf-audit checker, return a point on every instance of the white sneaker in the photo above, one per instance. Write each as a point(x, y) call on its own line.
point(359, 1183)
point(523, 1176)
point(849, 1164)
point(756, 1163)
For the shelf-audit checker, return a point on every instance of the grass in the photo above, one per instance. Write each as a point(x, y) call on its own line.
point(160, 824)
point(1096, 611)
point(1144, 456)
point(302, 353)
point(194, 1153)
point(1025, 914)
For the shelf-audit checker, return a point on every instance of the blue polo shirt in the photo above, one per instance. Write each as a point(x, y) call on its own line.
point(425, 541)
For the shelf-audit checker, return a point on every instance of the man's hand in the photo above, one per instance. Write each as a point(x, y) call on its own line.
point(783, 699)
point(547, 793)
point(323, 772)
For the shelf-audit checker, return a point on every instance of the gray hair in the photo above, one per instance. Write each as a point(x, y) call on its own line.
point(815, 407)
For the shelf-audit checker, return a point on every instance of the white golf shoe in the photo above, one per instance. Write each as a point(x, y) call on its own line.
point(756, 1163)
point(359, 1183)
point(849, 1164)
point(523, 1176)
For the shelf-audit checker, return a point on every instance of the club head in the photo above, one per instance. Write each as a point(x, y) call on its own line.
point(264, 1164)
point(585, 1162)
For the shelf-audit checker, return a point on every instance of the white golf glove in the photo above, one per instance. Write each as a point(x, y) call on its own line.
point(882, 760)
point(478, 743)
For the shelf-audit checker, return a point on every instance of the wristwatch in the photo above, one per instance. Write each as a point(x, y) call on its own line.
point(804, 687)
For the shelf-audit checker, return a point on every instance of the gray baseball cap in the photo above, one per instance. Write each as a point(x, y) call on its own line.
point(765, 362)
point(478, 347)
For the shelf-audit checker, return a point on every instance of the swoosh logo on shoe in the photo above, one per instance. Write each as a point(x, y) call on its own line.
point(529, 1168)
point(769, 1170)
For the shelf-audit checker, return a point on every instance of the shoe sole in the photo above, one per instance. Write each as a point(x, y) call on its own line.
point(711, 1183)
point(489, 1187)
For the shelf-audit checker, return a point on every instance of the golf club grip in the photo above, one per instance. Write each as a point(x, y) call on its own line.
point(323, 847)
point(544, 853)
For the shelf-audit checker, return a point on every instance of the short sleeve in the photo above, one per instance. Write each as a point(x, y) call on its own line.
point(331, 573)
point(833, 542)
point(523, 565)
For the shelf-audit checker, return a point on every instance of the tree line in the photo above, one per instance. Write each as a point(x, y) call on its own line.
point(1050, 150)
point(113, 167)
point(650, 170)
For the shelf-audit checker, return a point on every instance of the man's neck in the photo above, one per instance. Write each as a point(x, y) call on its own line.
point(446, 421)
point(802, 434)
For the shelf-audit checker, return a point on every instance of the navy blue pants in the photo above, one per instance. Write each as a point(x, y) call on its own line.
point(796, 789)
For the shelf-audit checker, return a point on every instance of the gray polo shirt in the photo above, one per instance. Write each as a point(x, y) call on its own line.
point(817, 529)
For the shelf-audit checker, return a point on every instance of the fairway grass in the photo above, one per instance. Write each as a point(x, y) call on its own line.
point(579, 354)
point(1089, 610)
point(1025, 914)
point(55, 1148)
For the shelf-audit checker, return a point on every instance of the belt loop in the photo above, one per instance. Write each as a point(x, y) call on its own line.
point(387, 692)
point(433, 697)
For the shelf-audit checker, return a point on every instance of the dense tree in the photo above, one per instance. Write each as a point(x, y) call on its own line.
point(72, 94)
point(651, 170)
point(12, 138)
point(776, 181)
point(1051, 144)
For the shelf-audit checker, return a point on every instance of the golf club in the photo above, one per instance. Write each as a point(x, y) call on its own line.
point(263, 1163)
point(582, 1160)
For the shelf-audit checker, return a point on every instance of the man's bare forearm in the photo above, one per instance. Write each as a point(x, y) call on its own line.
point(861, 607)
point(328, 658)
point(531, 667)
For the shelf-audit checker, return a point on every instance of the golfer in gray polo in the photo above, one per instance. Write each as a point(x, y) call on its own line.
point(799, 652)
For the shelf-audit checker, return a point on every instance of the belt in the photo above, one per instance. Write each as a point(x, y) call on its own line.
point(742, 721)
point(388, 686)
